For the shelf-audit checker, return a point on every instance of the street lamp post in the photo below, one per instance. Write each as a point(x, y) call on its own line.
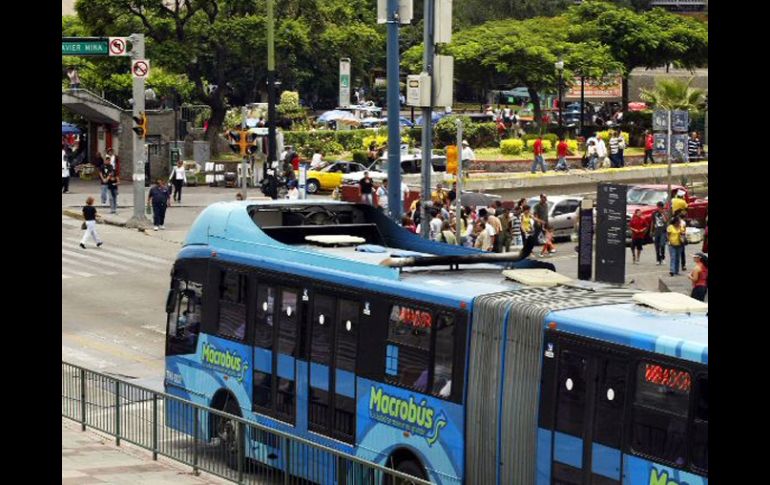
point(559, 65)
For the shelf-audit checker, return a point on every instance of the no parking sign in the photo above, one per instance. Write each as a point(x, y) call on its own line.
point(140, 68)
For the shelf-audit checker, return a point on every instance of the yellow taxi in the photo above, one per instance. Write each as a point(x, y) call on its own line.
point(329, 175)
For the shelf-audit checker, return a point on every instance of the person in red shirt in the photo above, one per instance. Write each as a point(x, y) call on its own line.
point(700, 276)
point(638, 234)
point(562, 151)
point(537, 149)
point(648, 143)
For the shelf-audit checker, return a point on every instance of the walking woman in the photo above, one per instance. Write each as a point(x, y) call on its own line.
point(160, 198)
point(89, 214)
point(674, 232)
point(179, 179)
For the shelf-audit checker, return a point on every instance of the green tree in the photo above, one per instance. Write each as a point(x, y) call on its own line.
point(648, 39)
point(521, 53)
point(674, 94)
point(220, 45)
point(475, 12)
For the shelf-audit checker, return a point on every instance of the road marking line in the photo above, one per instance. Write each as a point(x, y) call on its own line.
point(106, 254)
point(93, 260)
point(133, 254)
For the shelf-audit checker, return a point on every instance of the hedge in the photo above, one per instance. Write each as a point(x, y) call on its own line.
point(512, 146)
point(327, 141)
point(478, 135)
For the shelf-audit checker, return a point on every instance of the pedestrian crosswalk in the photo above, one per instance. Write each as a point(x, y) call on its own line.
point(105, 261)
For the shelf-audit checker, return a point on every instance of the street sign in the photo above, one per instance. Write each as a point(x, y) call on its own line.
point(660, 120)
point(611, 233)
point(117, 46)
point(84, 46)
point(680, 120)
point(660, 143)
point(344, 82)
point(679, 147)
point(140, 68)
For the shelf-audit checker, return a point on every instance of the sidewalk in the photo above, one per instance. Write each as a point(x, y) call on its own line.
point(90, 457)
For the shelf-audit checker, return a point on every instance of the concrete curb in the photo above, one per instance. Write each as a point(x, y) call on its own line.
point(102, 220)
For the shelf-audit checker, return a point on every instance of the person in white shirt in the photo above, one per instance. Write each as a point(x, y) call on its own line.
point(316, 161)
point(435, 225)
point(382, 195)
point(178, 179)
point(601, 150)
point(293, 193)
point(65, 172)
point(404, 191)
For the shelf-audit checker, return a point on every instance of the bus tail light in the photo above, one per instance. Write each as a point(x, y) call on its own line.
point(552, 325)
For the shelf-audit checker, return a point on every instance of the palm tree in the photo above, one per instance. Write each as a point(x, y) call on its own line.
point(673, 94)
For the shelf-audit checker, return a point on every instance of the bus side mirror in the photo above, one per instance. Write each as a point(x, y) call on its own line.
point(171, 301)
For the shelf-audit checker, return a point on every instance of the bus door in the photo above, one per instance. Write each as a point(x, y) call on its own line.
point(332, 383)
point(588, 389)
point(275, 346)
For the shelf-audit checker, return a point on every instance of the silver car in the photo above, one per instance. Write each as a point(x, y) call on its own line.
point(563, 213)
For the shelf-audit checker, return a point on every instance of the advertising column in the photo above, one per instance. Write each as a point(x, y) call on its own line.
point(344, 82)
point(611, 233)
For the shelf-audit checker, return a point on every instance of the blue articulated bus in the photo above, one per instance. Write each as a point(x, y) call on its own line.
point(448, 371)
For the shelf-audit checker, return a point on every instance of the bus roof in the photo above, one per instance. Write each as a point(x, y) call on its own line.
point(251, 233)
point(676, 334)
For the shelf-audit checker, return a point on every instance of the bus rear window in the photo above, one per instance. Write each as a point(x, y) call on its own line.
point(663, 387)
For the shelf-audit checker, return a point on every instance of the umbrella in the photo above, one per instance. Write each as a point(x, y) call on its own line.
point(332, 115)
point(477, 199)
point(69, 129)
point(637, 106)
point(435, 118)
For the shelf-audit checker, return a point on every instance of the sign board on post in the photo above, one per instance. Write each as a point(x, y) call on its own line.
point(660, 120)
point(84, 46)
point(586, 240)
point(118, 46)
point(679, 146)
point(611, 233)
point(140, 68)
point(680, 120)
point(344, 82)
point(660, 143)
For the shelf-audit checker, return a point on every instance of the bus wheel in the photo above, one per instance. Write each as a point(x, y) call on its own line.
point(410, 468)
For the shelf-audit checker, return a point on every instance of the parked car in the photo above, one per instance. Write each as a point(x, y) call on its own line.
point(378, 170)
point(646, 198)
point(330, 176)
point(563, 212)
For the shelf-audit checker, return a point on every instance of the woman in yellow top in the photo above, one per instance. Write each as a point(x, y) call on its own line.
point(676, 234)
point(527, 223)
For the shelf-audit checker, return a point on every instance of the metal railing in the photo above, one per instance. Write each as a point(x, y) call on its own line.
point(207, 439)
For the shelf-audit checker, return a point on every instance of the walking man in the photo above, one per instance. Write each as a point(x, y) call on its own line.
point(562, 151)
point(537, 150)
point(541, 216)
point(159, 197)
point(366, 184)
point(659, 232)
point(615, 151)
point(179, 179)
point(601, 151)
point(648, 144)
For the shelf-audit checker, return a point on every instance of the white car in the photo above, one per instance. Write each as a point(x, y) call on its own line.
point(563, 212)
point(410, 164)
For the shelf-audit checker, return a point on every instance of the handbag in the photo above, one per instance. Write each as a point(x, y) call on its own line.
point(83, 226)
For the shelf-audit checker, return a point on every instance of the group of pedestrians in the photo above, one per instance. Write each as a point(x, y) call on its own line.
point(671, 231)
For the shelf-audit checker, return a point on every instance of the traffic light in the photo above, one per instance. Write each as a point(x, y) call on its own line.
point(252, 141)
point(451, 159)
point(141, 125)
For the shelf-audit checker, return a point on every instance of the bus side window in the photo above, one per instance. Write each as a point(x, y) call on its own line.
point(659, 421)
point(444, 356)
point(232, 305)
point(263, 334)
point(287, 330)
point(571, 393)
point(700, 429)
point(610, 402)
point(408, 349)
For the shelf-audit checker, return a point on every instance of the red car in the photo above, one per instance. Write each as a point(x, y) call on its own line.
point(646, 198)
